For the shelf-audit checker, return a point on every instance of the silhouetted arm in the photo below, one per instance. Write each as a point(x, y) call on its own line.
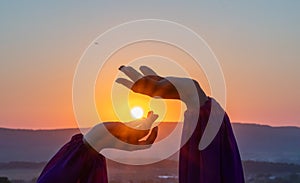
point(220, 161)
point(75, 161)
point(79, 161)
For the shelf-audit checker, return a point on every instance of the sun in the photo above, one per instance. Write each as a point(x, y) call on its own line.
point(137, 112)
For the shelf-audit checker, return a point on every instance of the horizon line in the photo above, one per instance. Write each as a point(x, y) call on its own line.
point(74, 128)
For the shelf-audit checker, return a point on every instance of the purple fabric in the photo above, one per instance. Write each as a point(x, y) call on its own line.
point(220, 162)
point(75, 162)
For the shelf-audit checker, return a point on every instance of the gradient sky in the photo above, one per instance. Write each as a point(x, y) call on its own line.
point(257, 43)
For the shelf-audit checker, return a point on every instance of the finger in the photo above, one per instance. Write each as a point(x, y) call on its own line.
point(147, 71)
point(151, 117)
point(149, 114)
point(143, 124)
point(125, 82)
point(151, 138)
point(131, 73)
point(147, 123)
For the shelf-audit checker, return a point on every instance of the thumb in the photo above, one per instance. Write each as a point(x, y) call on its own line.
point(151, 118)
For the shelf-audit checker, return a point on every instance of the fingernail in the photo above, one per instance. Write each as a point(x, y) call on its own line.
point(121, 67)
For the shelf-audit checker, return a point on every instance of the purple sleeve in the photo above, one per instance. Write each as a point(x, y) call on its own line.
point(75, 162)
point(220, 162)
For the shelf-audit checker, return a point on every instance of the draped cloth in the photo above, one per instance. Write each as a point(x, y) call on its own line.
point(220, 162)
point(75, 162)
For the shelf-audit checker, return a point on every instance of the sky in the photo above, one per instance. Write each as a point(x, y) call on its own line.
point(256, 42)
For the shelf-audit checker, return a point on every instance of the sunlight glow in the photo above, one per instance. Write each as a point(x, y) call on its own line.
point(137, 112)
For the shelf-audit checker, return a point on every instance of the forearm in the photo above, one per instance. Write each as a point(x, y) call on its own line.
point(201, 94)
point(95, 137)
point(74, 161)
point(196, 99)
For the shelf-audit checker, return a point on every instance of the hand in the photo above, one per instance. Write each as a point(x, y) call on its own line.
point(153, 85)
point(124, 136)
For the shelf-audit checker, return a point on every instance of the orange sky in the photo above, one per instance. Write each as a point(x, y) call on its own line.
point(256, 42)
point(148, 53)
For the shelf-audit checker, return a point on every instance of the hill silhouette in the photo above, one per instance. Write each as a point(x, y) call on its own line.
point(256, 142)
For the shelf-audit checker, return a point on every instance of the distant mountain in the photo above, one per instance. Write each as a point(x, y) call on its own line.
point(32, 145)
point(256, 142)
point(266, 143)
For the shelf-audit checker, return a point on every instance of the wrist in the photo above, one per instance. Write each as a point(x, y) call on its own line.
point(196, 100)
point(93, 137)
